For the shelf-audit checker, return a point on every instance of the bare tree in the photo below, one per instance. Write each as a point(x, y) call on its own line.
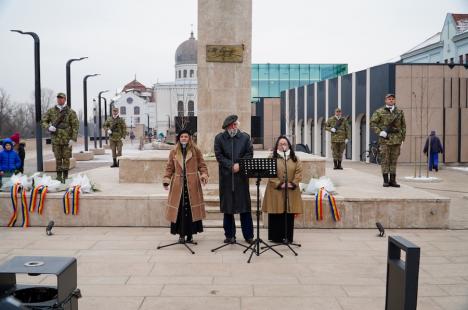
point(5, 112)
point(47, 99)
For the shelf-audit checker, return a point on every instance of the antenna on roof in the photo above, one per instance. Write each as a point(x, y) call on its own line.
point(191, 33)
point(135, 77)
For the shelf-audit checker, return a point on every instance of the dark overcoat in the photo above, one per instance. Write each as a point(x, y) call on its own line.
point(234, 191)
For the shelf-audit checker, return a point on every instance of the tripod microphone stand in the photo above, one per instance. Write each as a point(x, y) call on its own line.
point(181, 210)
point(285, 240)
point(258, 168)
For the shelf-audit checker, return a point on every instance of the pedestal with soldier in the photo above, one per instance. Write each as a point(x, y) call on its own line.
point(389, 123)
point(117, 130)
point(339, 128)
point(62, 123)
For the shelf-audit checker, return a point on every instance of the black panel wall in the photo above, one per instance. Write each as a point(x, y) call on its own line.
point(283, 112)
point(321, 99)
point(300, 103)
point(310, 101)
point(292, 108)
point(332, 96)
point(347, 94)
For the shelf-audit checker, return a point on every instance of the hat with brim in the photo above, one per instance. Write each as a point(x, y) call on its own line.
point(114, 109)
point(182, 132)
point(337, 110)
point(389, 95)
point(229, 120)
point(61, 95)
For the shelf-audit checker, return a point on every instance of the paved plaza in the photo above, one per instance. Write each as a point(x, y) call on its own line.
point(343, 269)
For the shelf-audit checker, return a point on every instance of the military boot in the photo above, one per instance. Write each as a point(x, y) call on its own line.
point(385, 180)
point(118, 163)
point(64, 176)
point(335, 164)
point(59, 176)
point(115, 163)
point(339, 165)
point(393, 182)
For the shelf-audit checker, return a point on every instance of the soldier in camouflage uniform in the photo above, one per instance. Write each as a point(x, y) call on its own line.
point(117, 130)
point(389, 123)
point(339, 128)
point(63, 125)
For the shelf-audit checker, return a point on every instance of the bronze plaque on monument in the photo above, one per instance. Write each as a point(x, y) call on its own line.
point(224, 53)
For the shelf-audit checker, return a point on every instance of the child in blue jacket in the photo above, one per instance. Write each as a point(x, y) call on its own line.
point(9, 159)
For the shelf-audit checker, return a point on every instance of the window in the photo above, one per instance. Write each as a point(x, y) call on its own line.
point(466, 58)
point(185, 74)
point(136, 110)
point(451, 60)
point(180, 108)
point(192, 73)
point(179, 74)
point(461, 59)
point(191, 108)
point(123, 111)
point(137, 120)
point(446, 61)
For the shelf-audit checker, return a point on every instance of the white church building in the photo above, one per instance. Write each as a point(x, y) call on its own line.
point(178, 98)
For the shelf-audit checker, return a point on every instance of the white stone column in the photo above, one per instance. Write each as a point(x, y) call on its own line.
point(367, 110)
point(354, 135)
point(306, 125)
point(316, 126)
point(297, 130)
point(286, 111)
point(327, 134)
point(223, 87)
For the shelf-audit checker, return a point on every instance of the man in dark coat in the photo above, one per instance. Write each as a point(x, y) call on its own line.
point(434, 147)
point(230, 146)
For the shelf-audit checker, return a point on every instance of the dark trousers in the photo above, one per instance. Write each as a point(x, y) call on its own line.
point(230, 225)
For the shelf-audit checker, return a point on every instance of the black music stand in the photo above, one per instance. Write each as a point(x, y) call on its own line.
point(182, 217)
point(259, 168)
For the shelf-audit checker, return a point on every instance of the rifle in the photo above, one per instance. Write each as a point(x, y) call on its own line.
point(340, 121)
point(63, 113)
point(390, 128)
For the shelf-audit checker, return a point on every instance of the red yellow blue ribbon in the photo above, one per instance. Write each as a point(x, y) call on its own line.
point(14, 203)
point(71, 200)
point(24, 208)
point(41, 192)
point(319, 205)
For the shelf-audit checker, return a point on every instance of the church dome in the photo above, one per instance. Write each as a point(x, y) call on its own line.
point(186, 53)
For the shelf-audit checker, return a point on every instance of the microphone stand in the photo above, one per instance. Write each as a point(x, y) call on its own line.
point(182, 217)
point(286, 242)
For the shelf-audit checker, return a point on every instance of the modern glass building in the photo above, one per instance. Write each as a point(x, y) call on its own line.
point(268, 80)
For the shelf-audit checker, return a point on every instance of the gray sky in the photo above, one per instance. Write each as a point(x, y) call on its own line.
point(123, 37)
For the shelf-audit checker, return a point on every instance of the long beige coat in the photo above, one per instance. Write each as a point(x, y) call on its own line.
point(273, 201)
point(196, 168)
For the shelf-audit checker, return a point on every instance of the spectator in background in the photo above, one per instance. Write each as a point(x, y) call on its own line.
point(19, 148)
point(9, 160)
point(434, 147)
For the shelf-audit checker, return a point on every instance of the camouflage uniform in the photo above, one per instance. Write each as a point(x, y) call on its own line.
point(119, 131)
point(338, 138)
point(393, 123)
point(67, 125)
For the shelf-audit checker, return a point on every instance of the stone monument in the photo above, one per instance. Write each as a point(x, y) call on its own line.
point(224, 66)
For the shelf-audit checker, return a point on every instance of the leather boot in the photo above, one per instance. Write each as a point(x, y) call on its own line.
point(393, 182)
point(115, 163)
point(339, 165)
point(385, 180)
point(335, 164)
point(64, 176)
point(59, 176)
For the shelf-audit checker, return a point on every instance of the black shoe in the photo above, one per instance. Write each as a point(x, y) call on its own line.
point(64, 176)
point(181, 240)
point(335, 164)
point(393, 182)
point(115, 163)
point(436, 169)
point(339, 165)
point(189, 239)
point(230, 240)
point(385, 180)
point(249, 241)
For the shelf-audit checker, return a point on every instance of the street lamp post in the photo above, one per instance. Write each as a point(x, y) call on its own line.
point(85, 107)
point(105, 115)
point(69, 62)
point(100, 117)
point(37, 95)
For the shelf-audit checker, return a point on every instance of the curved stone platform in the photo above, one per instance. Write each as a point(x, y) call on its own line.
point(360, 197)
point(141, 168)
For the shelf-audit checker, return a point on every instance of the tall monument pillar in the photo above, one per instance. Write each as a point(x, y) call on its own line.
point(224, 66)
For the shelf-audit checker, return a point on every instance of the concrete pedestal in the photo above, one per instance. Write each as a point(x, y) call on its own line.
point(98, 151)
point(83, 156)
point(49, 165)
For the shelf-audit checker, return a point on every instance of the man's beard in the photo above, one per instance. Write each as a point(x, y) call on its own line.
point(232, 132)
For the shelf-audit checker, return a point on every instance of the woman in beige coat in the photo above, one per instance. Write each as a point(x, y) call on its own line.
point(274, 199)
point(185, 204)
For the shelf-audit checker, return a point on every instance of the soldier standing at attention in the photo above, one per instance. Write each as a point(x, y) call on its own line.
point(339, 128)
point(389, 123)
point(117, 130)
point(63, 125)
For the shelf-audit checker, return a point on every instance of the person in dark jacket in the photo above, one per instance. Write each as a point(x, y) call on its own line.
point(9, 160)
point(230, 146)
point(434, 147)
point(19, 148)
